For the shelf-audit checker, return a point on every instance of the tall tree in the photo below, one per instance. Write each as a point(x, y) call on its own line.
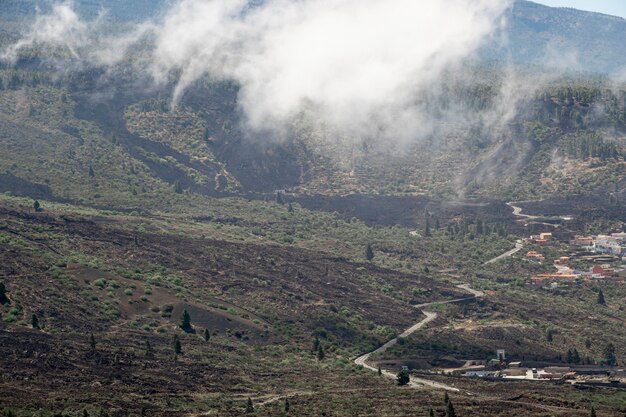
point(149, 350)
point(316, 344)
point(185, 322)
point(207, 335)
point(178, 347)
point(37, 205)
point(249, 406)
point(92, 342)
point(3, 294)
point(450, 411)
point(287, 405)
point(35, 322)
point(601, 299)
point(369, 252)
point(320, 353)
point(403, 377)
point(427, 232)
point(609, 354)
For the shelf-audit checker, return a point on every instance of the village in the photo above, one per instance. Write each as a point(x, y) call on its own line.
point(590, 259)
point(577, 373)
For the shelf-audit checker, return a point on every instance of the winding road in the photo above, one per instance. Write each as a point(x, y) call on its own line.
point(517, 211)
point(430, 316)
point(518, 247)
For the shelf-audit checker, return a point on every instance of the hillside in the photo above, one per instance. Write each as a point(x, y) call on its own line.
point(165, 259)
point(565, 38)
point(129, 150)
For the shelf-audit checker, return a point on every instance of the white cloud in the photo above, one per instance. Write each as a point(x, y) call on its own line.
point(62, 28)
point(357, 66)
point(355, 62)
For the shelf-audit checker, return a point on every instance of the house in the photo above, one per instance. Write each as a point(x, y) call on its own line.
point(613, 244)
point(534, 256)
point(476, 374)
point(602, 271)
point(542, 239)
point(582, 240)
point(563, 260)
point(545, 236)
point(540, 279)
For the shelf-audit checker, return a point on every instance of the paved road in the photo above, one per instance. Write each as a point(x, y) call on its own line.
point(430, 316)
point(517, 211)
point(518, 247)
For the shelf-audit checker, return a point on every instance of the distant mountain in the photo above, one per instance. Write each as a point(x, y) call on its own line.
point(535, 34)
point(562, 37)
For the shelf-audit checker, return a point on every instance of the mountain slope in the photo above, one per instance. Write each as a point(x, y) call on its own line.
point(562, 37)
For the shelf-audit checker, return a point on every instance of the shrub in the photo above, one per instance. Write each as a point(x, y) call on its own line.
point(100, 283)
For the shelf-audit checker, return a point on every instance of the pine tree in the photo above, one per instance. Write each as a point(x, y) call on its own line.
point(431, 412)
point(316, 344)
point(185, 322)
point(178, 187)
point(609, 354)
point(249, 406)
point(149, 350)
point(178, 348)
point(91, 172)
point(207, 335)
point(3, 294)
point(287, 405)
point(427, 228)
point(575, 356)
point(403, 377)
point(37, 205)
point(290, 208)
point(279, 199)
point(593, 412)
point(320, 353)
point(380, 371)
point(35, 322)
point(369, 252)
point(92, 342)
point(450, 411)
point(601, 299)
point(446, 398)
point(570, 356)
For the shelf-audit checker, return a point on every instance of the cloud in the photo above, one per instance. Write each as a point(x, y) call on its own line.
point(62, 28)
point(354, 62)
point(356, 66)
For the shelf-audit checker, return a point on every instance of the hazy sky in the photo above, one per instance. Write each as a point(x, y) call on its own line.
point(613, 7)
